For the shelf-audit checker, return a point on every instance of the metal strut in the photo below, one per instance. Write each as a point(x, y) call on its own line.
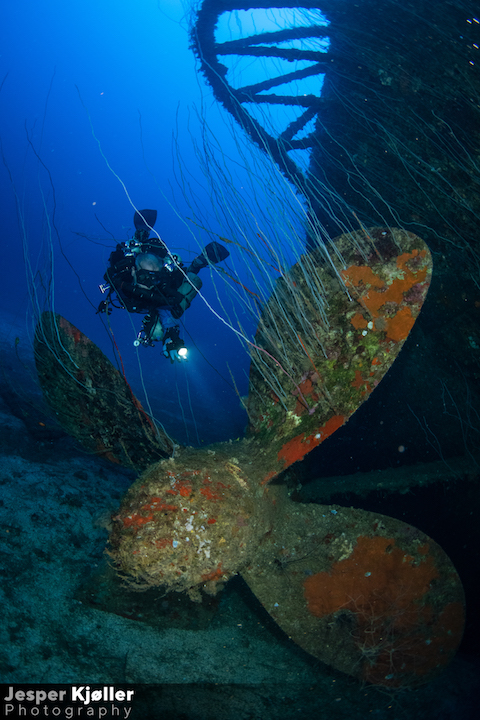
point(288, 44)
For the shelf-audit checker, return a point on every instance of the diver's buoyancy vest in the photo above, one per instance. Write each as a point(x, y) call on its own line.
point(187, 290)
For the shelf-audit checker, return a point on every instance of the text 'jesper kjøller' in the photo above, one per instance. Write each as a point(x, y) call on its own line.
point(79, 694)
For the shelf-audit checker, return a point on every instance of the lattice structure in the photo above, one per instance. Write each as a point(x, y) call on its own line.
point(301, 47)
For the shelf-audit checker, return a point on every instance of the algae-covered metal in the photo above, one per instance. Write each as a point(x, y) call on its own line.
point(367, 594)
point(191, 522)
point(319, 367)
point(91, 400)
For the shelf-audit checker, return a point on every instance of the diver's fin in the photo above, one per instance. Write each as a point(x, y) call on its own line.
point(215, 252)
point(212, 253)
point(145, 219)
point(365, 593)
point(91, 400)
point(322, 345)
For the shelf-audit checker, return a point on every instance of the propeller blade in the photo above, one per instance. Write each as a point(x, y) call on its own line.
point(314, 368)
point(366, 593)
point(89, 397)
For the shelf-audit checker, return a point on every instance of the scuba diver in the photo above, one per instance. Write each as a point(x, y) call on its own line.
point(147, 278)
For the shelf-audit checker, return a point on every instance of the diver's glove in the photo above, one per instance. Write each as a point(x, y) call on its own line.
point(173, 346)
point(213, 253)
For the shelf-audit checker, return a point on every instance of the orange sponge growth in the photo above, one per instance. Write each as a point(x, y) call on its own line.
point(376, 295)
point(296, 448)
point(403, 625)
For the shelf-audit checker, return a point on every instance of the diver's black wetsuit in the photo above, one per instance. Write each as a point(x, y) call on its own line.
point(164, 293)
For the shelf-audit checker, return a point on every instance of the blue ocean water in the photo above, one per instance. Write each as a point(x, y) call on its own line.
point(86, 90)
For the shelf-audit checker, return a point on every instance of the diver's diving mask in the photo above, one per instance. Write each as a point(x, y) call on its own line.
point(148, 278)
